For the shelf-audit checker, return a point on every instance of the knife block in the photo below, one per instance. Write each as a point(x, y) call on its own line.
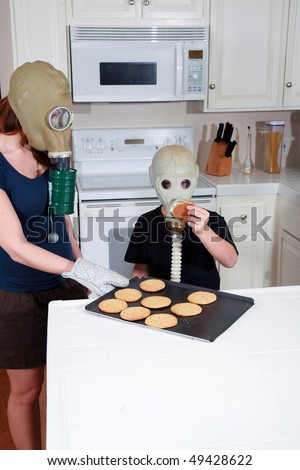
point(217, 163)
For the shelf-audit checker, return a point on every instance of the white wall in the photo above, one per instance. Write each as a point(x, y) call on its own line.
point(6, 47)
point(188, 114)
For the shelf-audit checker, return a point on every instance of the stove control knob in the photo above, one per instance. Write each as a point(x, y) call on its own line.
point(88, 144)
point(180, 141)
point(100, 145)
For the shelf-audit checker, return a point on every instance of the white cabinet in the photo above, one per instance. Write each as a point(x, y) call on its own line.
point(31, 30)
point(141, 11)
point(251, 221)
point(247, 47)
point(288, 271)
point(292, 73)
point(101, 9)
point(184, 9)
point(288, 259)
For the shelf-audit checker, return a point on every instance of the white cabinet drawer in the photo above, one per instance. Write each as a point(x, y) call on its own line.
point(243, 213)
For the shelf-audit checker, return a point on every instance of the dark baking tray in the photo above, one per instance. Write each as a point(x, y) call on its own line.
point(211, 323)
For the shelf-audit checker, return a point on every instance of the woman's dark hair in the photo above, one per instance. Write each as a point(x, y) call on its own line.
point(10, 125)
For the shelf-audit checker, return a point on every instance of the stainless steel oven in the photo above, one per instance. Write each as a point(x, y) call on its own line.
point(114, 187)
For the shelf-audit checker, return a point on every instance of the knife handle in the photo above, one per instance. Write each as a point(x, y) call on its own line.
point(230, 148)
point(219, 133)
point(228, 132)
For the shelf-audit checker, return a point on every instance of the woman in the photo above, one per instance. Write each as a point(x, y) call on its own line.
point(31, 269)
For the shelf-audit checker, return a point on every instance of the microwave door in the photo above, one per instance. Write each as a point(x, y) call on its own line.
point(130, 72)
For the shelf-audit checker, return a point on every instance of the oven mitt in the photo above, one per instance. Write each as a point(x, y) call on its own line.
point(96, 278)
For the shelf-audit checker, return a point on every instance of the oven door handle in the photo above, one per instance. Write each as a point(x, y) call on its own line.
point(114, 210)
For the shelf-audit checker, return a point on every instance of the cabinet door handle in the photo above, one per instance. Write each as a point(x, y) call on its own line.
point(212, 86)
point(131, 2)
point(146, 3)
point(289, 84)
point(243, 216)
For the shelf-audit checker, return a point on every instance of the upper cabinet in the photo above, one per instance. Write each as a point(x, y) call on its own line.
point(254, 45)
point(184, 9)
point(31, 30)
point(247, 54)
point(291, 97)
point(88, 10)
point(141, 11)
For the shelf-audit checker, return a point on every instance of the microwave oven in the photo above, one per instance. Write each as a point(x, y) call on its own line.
point(138, 64)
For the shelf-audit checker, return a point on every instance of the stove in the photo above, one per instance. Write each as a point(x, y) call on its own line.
point(113, 163)
point(114, 189)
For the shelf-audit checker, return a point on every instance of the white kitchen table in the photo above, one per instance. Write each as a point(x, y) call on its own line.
point(116, 385)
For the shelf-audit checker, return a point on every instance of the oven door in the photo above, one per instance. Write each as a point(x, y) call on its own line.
point(105, 229)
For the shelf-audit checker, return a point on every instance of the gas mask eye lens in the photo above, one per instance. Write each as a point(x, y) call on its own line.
point(166, 184)
point(185, 184)
point(60, 118)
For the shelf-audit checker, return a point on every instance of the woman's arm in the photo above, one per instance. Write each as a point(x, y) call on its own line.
point(12, 240)
point(223, 251)
point(75, 247)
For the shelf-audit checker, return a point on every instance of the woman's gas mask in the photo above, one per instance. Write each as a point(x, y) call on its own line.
point(174, 175)
point(40, 97)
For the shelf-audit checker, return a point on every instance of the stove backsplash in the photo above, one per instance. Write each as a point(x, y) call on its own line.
point(117, 115)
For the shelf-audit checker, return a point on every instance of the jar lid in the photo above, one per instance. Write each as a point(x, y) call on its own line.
point(275, 123)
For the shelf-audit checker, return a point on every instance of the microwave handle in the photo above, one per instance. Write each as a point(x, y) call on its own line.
point(179, 73)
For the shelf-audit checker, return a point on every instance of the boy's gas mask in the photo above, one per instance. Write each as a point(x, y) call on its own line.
point(174, 175)
point(40, 97)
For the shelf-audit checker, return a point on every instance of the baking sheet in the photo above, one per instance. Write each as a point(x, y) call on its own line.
point(214, 319)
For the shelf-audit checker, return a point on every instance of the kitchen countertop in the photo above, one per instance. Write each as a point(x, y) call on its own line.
point(116, 385)
point(286, 183)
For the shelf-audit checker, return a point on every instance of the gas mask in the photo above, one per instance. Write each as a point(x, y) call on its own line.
point(40, 97)
point(174, 175)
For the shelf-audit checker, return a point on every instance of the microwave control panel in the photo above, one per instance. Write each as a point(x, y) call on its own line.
point(195, 60)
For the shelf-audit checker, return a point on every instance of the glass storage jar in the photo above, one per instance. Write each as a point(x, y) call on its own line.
point(273, 137)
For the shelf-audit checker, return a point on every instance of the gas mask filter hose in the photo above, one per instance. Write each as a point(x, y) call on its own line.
point(176, 227)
